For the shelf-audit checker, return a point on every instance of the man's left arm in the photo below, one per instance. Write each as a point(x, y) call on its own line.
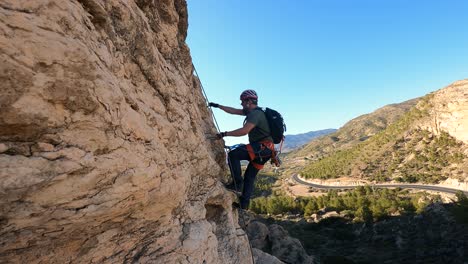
point(238, 132)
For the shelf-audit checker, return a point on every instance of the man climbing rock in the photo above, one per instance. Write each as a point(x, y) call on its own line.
point(259, 150)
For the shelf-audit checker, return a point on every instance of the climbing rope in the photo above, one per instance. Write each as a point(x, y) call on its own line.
point(229, 160)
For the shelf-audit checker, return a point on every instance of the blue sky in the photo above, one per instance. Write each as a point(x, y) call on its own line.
point(322, 63)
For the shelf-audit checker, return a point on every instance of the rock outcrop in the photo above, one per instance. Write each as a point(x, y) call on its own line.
point(103, 149)
point(450, 110)
point(448, 113)
point(275, 239)
point(261, 257)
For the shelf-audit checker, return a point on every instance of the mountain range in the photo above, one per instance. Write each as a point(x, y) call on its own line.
point(295, 141)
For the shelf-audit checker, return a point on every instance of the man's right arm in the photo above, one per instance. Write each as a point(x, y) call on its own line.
point(228, 109)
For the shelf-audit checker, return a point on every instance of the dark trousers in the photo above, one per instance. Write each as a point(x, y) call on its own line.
point(262, 155)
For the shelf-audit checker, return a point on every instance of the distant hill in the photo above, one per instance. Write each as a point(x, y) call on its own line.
point(353, 132)
point(426, 144)
point(295, 141)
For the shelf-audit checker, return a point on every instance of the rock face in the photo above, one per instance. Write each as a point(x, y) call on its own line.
point(450, 110)
point(103, 149)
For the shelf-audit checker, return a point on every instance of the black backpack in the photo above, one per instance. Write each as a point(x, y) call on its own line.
point(276, 123)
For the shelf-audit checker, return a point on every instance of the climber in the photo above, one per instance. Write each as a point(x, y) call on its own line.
point(257, 152)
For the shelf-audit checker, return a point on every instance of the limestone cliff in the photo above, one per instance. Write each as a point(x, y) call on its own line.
point(103, 149)
point(449, 111)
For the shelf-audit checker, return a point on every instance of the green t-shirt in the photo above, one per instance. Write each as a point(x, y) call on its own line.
point(261, 131)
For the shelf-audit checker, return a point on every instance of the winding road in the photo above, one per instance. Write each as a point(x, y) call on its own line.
point(407, 186)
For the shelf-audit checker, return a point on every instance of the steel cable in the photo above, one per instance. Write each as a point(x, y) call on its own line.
point(206, 98)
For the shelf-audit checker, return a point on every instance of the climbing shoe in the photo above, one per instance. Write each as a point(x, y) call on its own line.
point(232, 187)
point(239, 206)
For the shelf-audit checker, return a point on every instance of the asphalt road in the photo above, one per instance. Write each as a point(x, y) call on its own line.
point(407, 186)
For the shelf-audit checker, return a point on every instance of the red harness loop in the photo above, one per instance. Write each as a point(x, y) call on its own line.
point(263, 144)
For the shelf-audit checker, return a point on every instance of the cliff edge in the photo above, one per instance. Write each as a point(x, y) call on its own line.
point(103, 149)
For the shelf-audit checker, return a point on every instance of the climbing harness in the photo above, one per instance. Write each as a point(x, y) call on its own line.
point(257, 155)
point(229, 161)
